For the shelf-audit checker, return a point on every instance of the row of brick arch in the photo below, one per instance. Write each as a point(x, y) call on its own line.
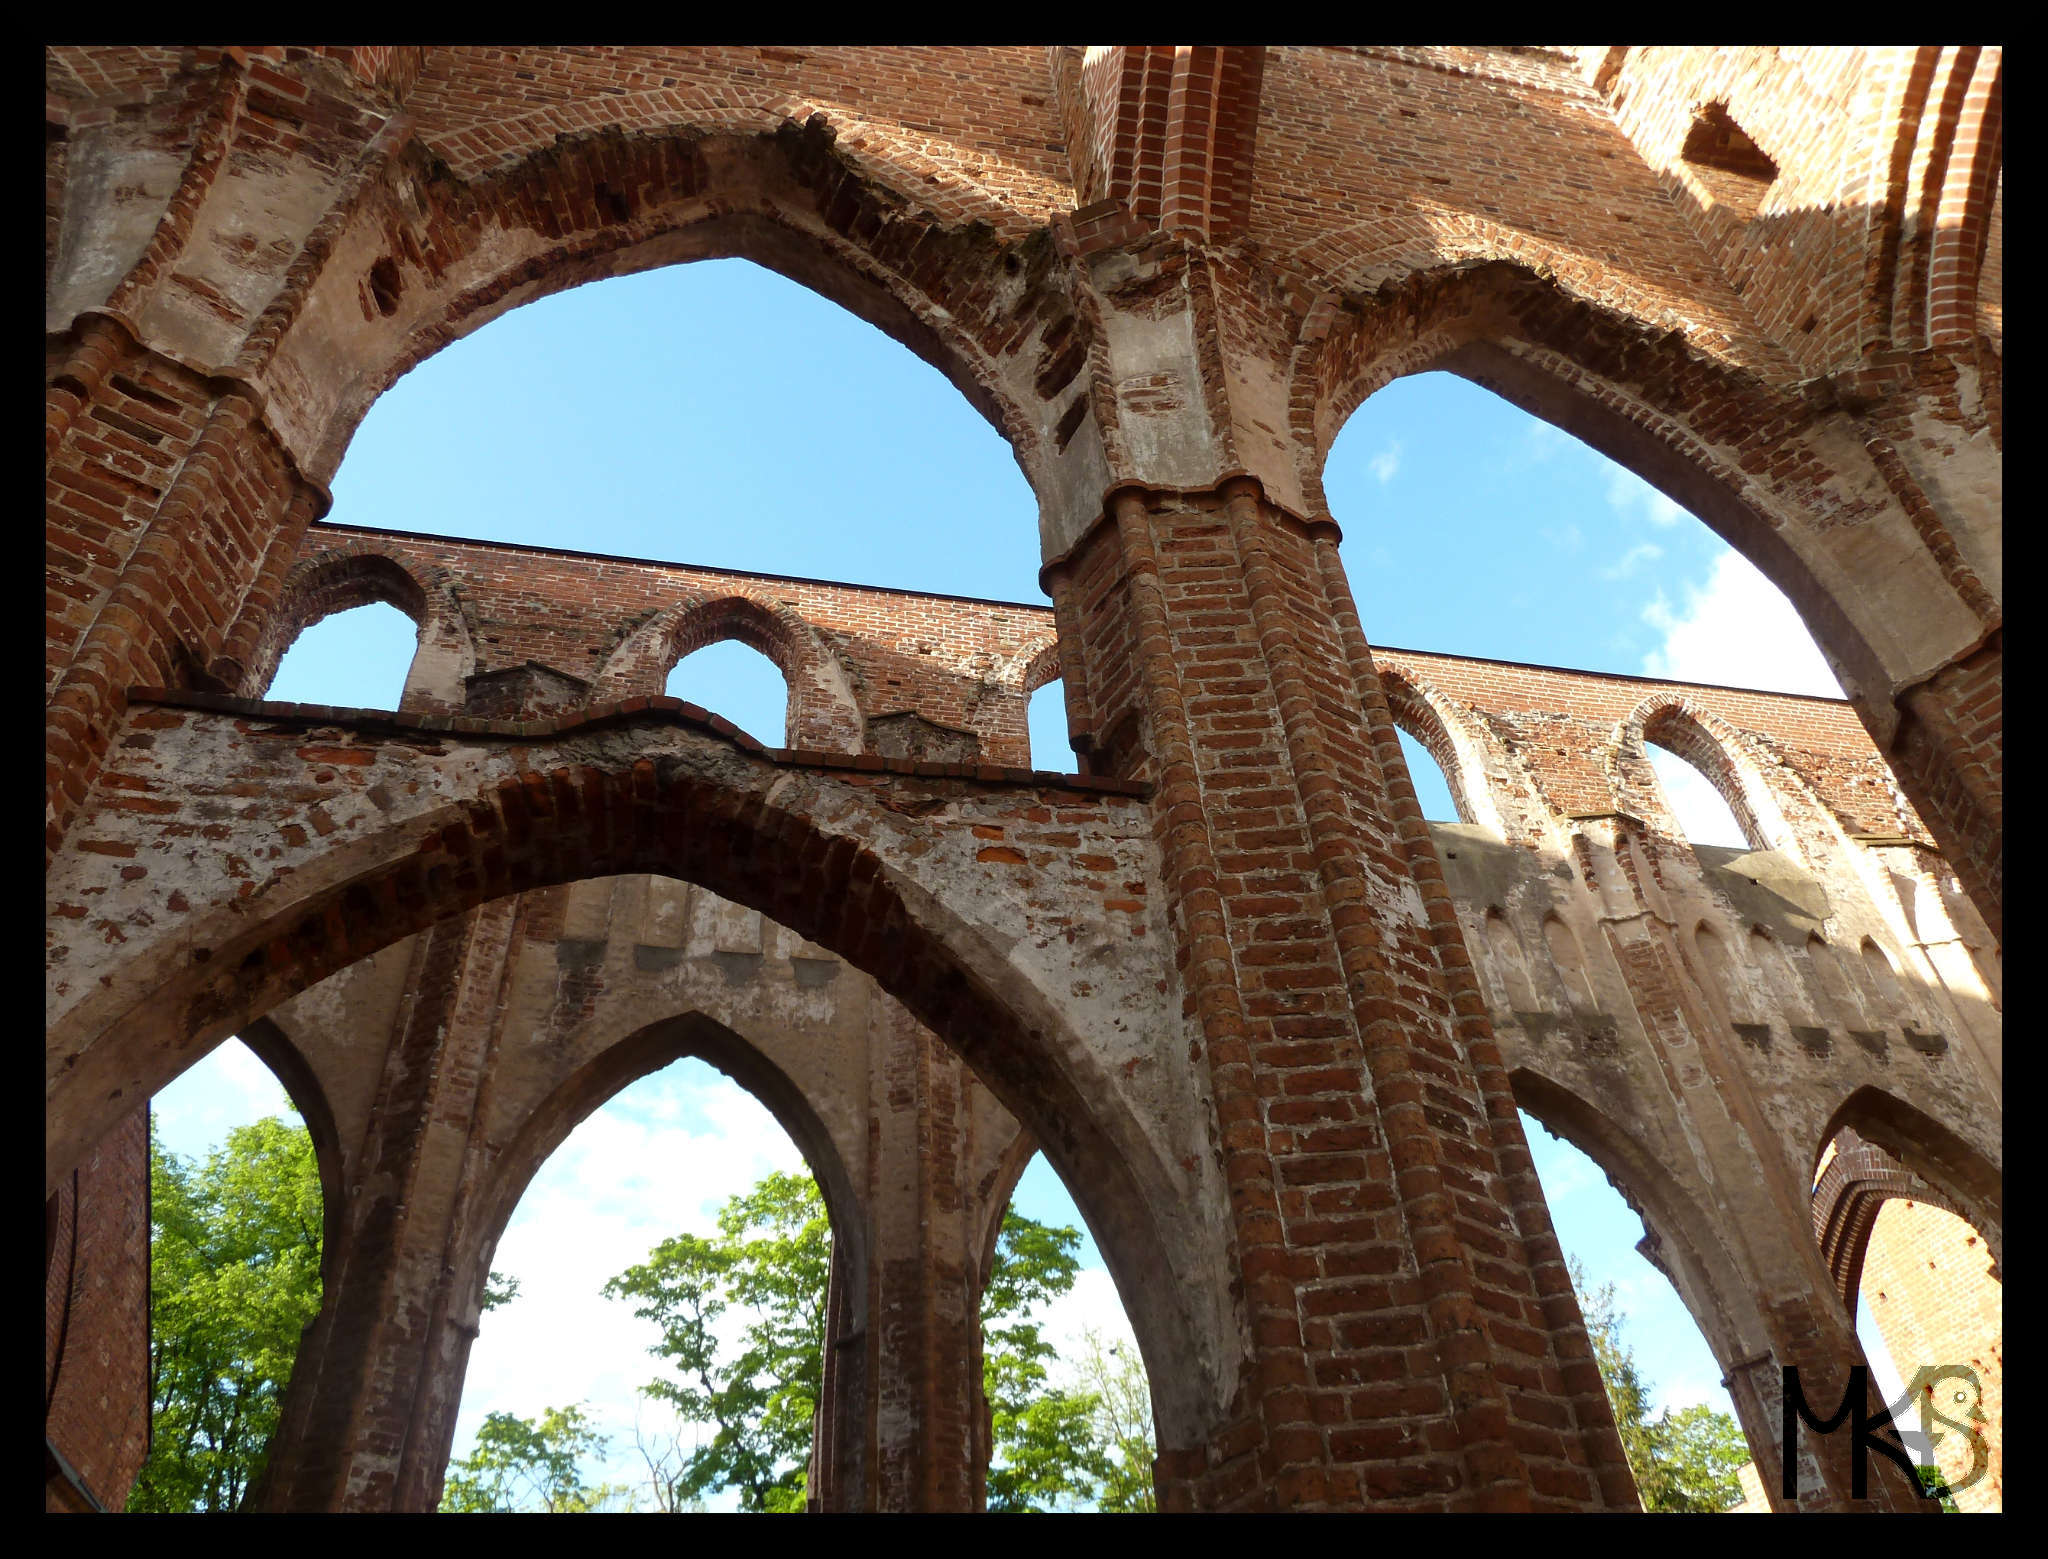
point(852, 212)
point(1905, 1155)
point(824, 713)
point(977, 306)
point(1465, 751)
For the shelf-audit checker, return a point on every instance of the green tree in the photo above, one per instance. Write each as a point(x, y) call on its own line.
point(234, 1279)
point(1688, 1460)
point(772, 1256)
point(519, 1465)
point(1122, 1422)
point(1046, 1453)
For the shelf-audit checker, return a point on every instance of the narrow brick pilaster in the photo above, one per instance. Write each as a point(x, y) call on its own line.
point(370, 1412)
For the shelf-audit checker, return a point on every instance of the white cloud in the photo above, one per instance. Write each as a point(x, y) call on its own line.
point(626, 1179)
point(1092, 1304)
point(229, 1088)
point(1386, 462)
point(1570, 539)
point(1738, 630)
point(1540, 441)
point(1629, 495)
point(1642, 552)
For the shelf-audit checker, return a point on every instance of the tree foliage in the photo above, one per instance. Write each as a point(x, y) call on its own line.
point(771, 1256)
point(1684, 1460)
point(521, 1465)
point(1054, 1446)
point(234, 1279)
point(1121, 1423)
point(1049, 1451)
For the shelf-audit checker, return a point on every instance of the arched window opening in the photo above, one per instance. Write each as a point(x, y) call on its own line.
point(1677, 1420)
point(357, 659)
point(1700, 808)
point(236, 1225)
point(679, 1195)
point(1475, 528)
point(1051, 748)
point(739, 682)
point(1070, 1399)
point(796, 438)
point(1432, 788)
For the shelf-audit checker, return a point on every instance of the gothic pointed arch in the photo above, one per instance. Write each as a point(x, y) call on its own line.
point(1680, 1238)
point(1970, 1182)
point(849, 209)
point(1701, 429)
point(1714, 748)
point(348, 574)
point(848, 866)
point(1452, 737)
point(824, 714)
point(1851, 1192)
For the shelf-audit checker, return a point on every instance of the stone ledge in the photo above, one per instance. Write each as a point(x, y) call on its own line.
point(599, 716)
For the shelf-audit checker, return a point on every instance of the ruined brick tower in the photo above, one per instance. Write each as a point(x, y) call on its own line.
point(1269, 1026)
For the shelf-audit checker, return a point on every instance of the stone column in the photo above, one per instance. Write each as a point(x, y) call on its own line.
point(370, 1413)
point(937, 1142)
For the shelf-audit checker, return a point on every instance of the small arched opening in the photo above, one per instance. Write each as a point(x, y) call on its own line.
point(354, 659)
point(732, 678)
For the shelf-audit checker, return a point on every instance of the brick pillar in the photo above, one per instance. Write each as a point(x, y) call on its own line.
point(369, 1417)
point(1404, 1351)
point(923, 1357)
point(96, 1324)
point(167, 491)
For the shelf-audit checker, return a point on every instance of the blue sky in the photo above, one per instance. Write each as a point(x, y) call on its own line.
point(718, 414)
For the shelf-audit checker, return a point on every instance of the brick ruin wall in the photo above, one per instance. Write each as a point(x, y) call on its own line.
point(1563, 836)
point(1765, 280)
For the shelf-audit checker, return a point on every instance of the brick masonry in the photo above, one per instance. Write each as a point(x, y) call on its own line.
point(1267, 1022)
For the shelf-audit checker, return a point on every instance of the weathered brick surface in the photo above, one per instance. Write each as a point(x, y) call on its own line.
point(1935, 1292)
point(96, 1320)
point(1764, 279)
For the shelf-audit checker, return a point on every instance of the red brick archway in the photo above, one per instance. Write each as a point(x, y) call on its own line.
point(680, 809)
point(1768, 471)
point(608, 204)
point(1965, 1181)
